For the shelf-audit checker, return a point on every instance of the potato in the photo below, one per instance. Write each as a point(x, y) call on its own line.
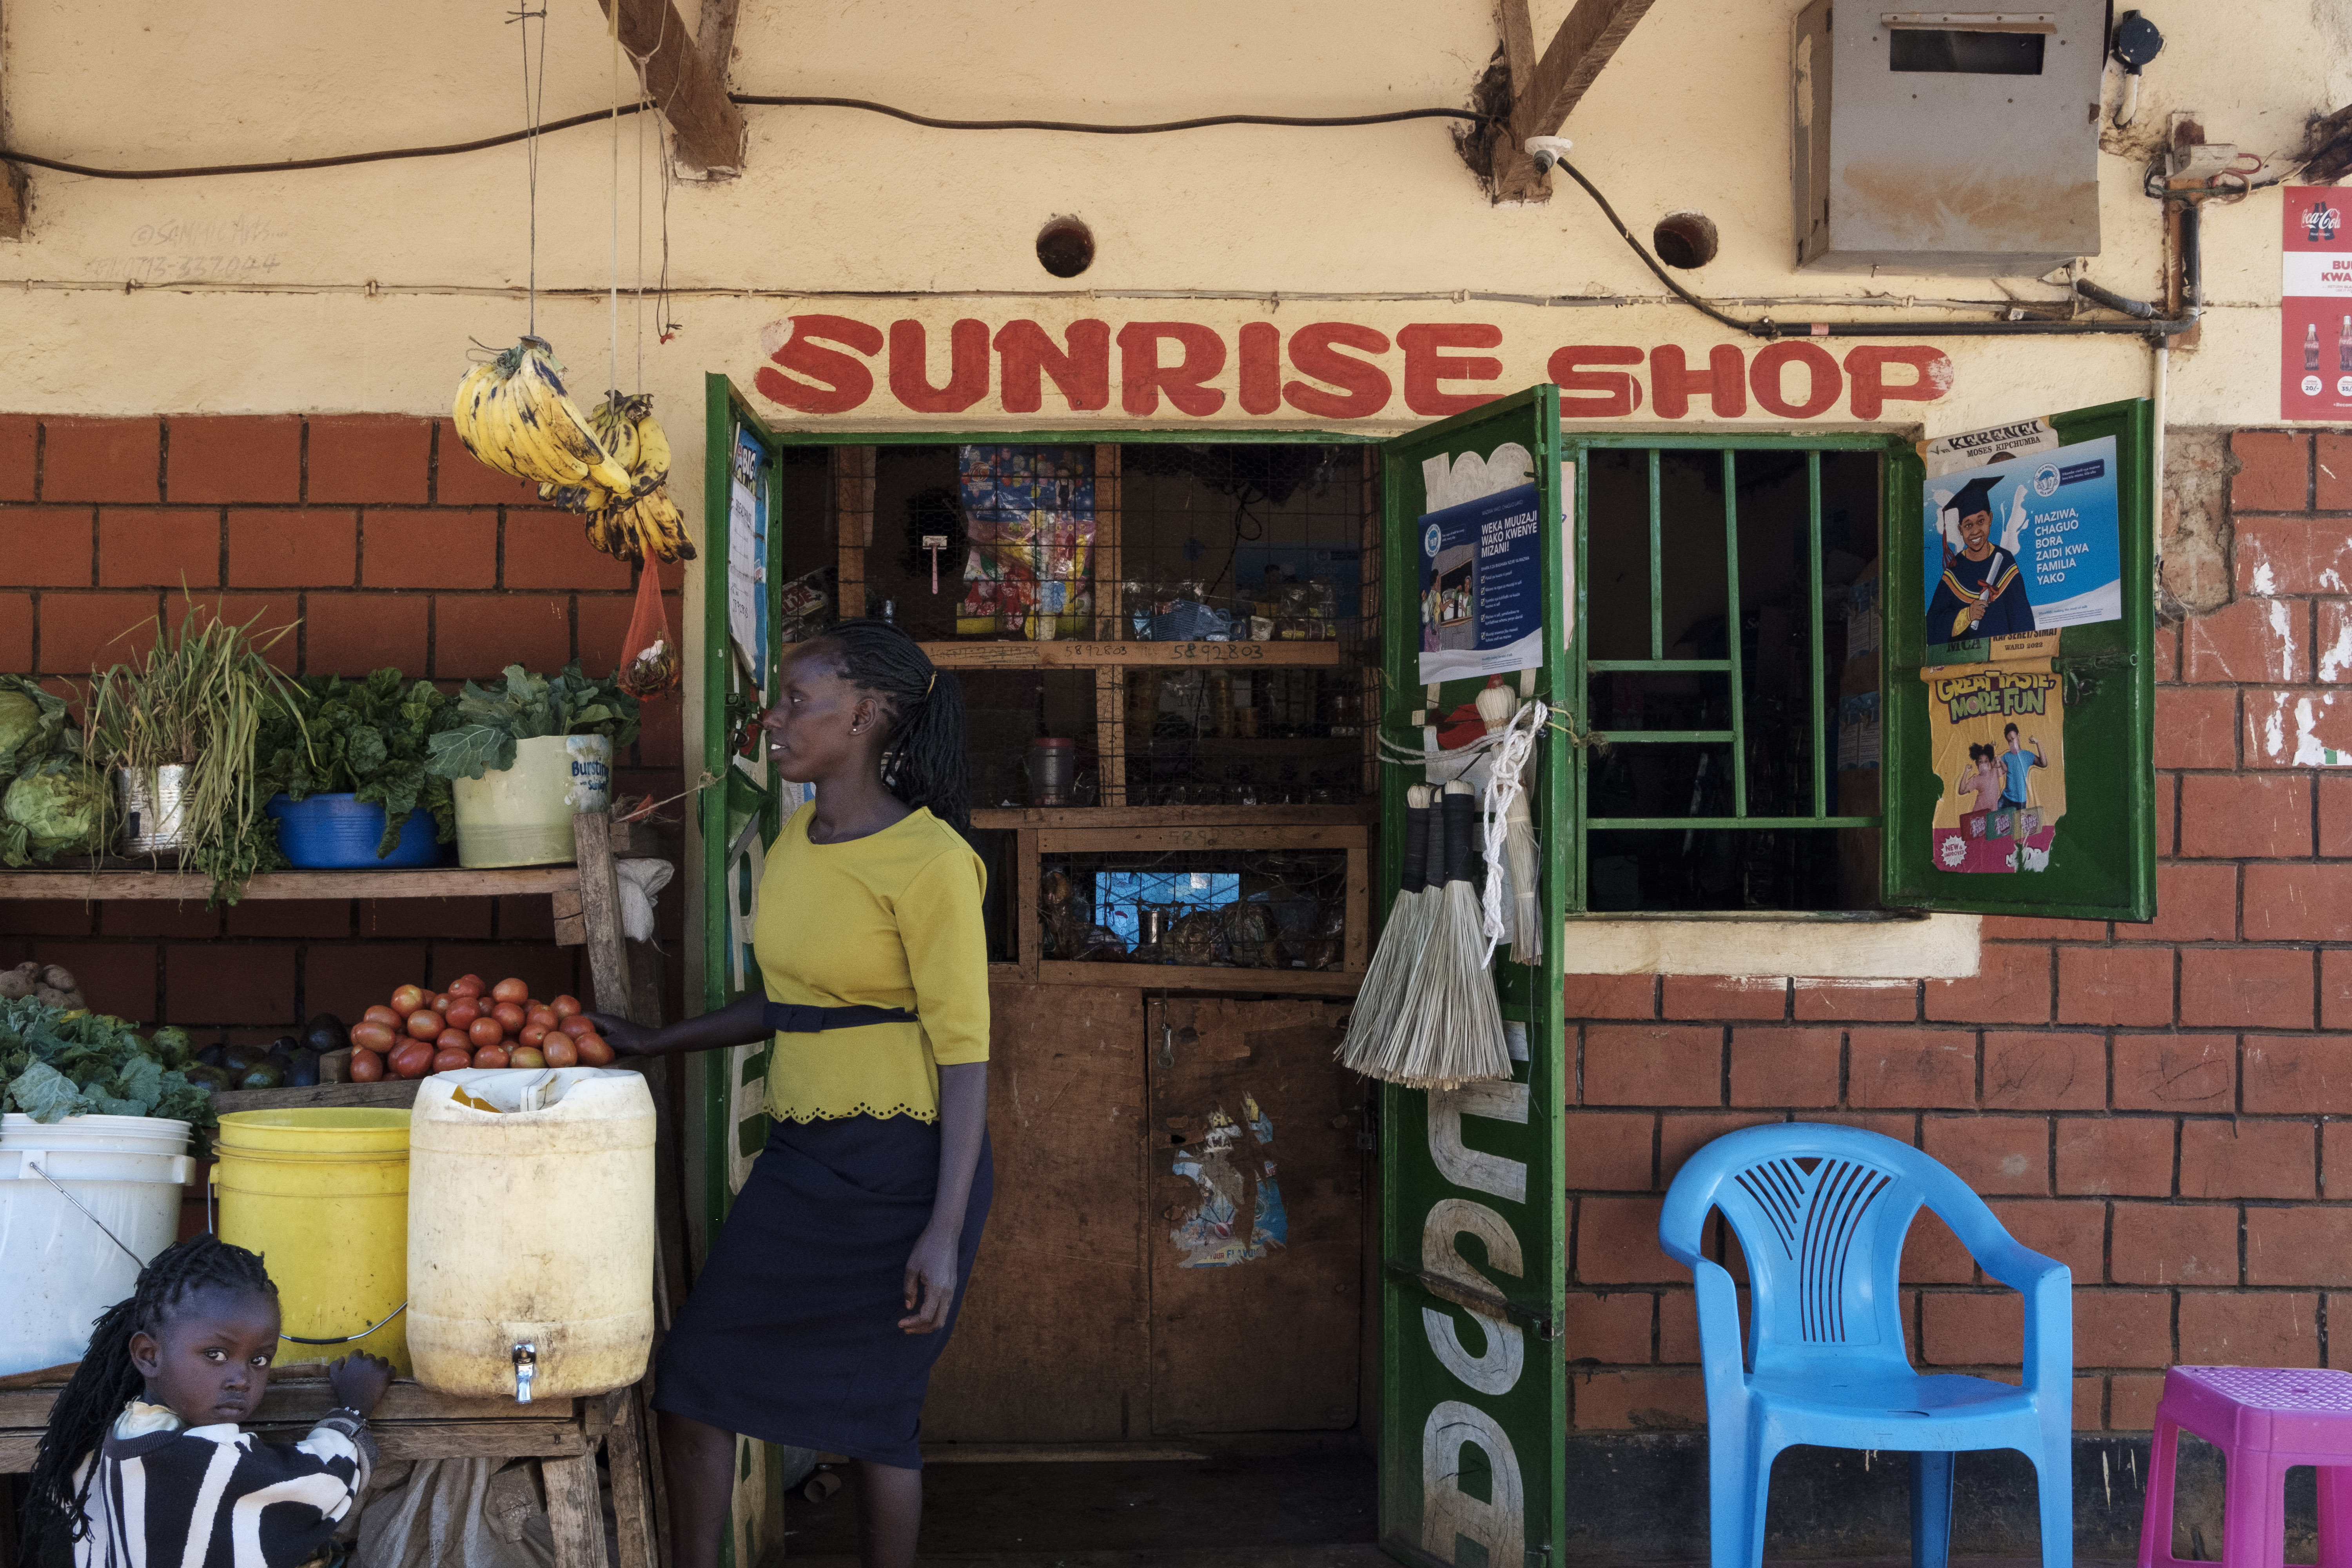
point(30, 968)
point(13, 984)
point(52, 996)
point(60, 977)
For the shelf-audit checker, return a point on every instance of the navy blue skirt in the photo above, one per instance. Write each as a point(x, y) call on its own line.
point(791, 1334)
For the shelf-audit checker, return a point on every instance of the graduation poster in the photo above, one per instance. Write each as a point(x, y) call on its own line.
point(1999, 749)
point(1482, 586)
point(2026, 544)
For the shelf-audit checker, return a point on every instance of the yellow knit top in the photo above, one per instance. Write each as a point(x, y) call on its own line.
point(891, 920)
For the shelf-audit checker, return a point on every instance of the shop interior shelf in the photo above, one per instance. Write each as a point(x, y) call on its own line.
point(438, 882)
point(1011, 655)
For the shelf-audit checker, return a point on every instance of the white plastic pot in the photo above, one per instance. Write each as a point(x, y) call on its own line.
point(60, 1268)
point(522, 816)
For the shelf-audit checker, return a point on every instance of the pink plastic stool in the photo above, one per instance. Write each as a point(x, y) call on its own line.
point(2264, 1419)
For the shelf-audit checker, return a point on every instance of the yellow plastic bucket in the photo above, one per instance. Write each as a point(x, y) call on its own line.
point(323, 1196)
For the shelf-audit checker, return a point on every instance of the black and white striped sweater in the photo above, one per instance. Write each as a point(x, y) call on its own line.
point(168, 1496)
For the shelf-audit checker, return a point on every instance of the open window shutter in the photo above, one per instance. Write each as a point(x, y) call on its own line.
point(1473, 1399)
point(2084, 844)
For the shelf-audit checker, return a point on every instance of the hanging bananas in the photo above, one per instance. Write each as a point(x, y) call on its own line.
point(641, 519)
point(513, 415)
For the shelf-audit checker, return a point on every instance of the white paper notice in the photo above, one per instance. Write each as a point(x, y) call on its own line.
point(744, 566)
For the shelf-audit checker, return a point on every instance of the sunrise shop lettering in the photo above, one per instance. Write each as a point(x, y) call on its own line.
point(821, 363)
point(1973, 695)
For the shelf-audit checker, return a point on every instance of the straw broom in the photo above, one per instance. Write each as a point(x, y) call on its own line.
point(1373, 1018)
point(1452, 1030)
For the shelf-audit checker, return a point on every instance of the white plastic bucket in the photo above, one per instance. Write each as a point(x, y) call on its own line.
point(62, 1271)
point(522, 816)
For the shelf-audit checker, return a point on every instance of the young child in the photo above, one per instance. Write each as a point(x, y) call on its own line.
point(143, 1461)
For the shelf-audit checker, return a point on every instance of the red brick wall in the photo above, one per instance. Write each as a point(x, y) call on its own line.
point(2163, 1107)
point(391, 545)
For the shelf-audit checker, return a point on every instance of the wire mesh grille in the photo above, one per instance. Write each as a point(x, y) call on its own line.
point(1261, 909)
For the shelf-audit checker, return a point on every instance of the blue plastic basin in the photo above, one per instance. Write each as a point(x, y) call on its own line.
point(335, 832)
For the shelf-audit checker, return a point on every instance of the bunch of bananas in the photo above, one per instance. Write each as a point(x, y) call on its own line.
point(512, 413)
point(642, 520)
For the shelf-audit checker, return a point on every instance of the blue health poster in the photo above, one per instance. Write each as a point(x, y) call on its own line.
point(2027, 544)
point(1482, 586)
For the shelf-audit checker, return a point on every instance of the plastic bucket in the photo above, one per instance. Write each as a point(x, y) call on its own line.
point(522, 816)
point(62, 1271)
point(340, 832)
point(323, 1196)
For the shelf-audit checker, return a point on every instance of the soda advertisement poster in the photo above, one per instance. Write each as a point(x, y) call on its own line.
point(1482, 586)
point(2023, 545)
point(1998, 748)
point(2316, 305)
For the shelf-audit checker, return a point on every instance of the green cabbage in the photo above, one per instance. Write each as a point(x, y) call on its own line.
point(31, 724)
point(58, 806)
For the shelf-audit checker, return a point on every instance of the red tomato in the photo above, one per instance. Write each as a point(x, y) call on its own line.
point(490, 1057)
point(560, 1051)
point(366, 1067)
point(439, 1002)
point(452, 1040)
point(566, 1006)
point(509, 1016)
point(462, 1012)
point(577, 1025)
point(453, 1059)
point(545, 1017)
point(466, 985)
point(425, 1023)
point(484, 1032)
point(594, 1051)
point(407, 1000)
point(372, 1035)
point(380, 1014)
point(510, 989)
point(414, 1059)
point(532, 1034)
point(526, 1056)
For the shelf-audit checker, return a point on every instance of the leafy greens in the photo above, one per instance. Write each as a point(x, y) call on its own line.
point(54, 1063)
point(366, 738)
point(490, 720)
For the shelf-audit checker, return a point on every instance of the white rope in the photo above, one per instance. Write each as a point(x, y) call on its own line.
point(1514, 743)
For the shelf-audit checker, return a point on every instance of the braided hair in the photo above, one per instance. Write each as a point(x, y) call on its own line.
point(923, 761)
point(106, 1380)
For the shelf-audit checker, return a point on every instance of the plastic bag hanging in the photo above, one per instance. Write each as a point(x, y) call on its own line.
point(649, 661)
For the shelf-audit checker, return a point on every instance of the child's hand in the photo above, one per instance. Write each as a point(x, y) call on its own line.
point(359, 1380)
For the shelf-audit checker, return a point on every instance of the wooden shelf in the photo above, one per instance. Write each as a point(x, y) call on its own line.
point(439, 882)
point(1198, 977)
point(1357, 815)
point(1093, 840)
point(1059, 655)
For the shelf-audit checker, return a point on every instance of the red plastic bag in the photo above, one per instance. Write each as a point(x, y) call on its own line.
point(649, 659)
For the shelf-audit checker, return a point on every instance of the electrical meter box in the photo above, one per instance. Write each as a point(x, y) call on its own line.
point(1950, 142)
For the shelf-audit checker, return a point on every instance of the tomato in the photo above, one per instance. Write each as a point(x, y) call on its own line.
point(510, 989)
point(414, 1059)
point(425, 1023)
point(509, 1016)
point(407, 1000)
point(466, 985)
point(452, 1059)
point(462, 1013)
point(560, 1051)
point(594, 1051)
point(380, 1014)
point(545, 1017)
point(490, 1057)
point(531, 1034)
point(577, 1025)
point(484, 1032)
point(526, 1056)
point(374, 1036)
point(566, 1006)
point(439, 1002)
point(366, 1067)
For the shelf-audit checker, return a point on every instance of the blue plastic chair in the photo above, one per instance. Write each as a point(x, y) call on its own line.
point(1820, 1213)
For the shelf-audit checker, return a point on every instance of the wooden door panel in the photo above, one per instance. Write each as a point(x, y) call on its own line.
point(1051, 1346)
point(1255, 1197)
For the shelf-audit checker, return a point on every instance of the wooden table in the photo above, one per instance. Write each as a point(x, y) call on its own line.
point(413, 1423)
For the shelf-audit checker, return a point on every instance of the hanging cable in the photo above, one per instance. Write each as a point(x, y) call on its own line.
point(530, 138)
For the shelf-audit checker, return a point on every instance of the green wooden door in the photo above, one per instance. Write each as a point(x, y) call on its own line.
point(1474, 1392)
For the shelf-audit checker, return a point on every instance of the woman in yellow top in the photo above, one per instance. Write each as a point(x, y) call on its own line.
point(832, 1288)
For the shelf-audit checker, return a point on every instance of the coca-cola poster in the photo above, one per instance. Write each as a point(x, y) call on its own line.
point(2316, 305)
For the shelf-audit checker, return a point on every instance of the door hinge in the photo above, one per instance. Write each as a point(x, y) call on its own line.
point(1486, 1303)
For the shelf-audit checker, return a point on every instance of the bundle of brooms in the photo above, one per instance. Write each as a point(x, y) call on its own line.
point(1426, 1015)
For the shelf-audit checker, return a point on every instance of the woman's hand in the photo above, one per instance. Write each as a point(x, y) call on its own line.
point(359, 1380)
point(930, 1282)
point(627, 1039)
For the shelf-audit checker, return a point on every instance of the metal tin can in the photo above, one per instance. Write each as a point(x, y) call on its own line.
point(152, 801)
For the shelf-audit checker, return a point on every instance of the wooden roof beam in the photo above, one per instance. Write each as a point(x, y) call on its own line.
point(1543, 95)
point(706, 129)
